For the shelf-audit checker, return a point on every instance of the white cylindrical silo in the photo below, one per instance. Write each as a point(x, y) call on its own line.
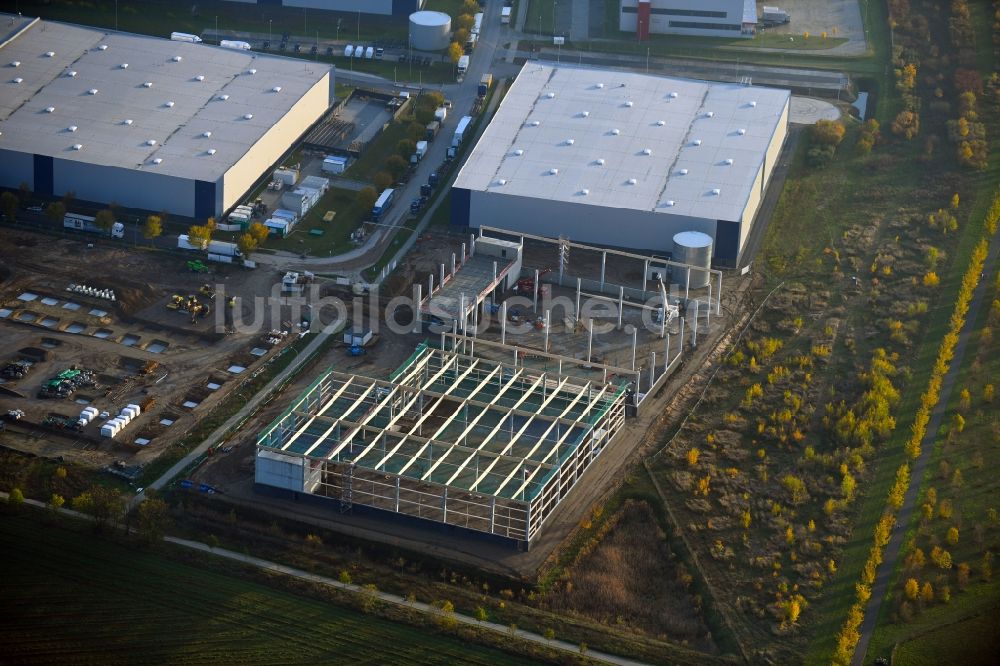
point(429, 31)
point(694, 249)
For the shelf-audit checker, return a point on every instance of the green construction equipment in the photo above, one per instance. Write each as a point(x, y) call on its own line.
point(197, 267)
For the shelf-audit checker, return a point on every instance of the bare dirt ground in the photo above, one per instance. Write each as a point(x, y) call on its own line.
point(140, 351)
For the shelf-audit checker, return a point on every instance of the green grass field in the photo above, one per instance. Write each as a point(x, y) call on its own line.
point(971, 642)
point(73, 598)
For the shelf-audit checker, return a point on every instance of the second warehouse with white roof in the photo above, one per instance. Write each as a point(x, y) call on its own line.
point(624, 159)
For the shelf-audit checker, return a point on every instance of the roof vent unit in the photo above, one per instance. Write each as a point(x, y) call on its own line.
point(71, 73)
point(673, 95)
point(157, 160)
point(50, 109)
point(50, 54)
point(92, 91)
point(251, 72)
point(276, 89)
point(553, 172)
point(534, 123)
point(16, 63)
point(647, 151)
point(631, 181)
point(570, 142)
point(716, 191)
point(599, 86)
point(550, 95)
point(518, 152)
point(177, 58)
point(77, 146)
point(247, 116)
point(669, 203)
point(599, 161)
point(103, 47)
point(753, 103)
point(124, 65)
point(71, 128)
point(615, 131)
point(729, 161)
point(584, 192)
point(502, 181)
point(584, 114)
point(210, 151)
point(661, 123)
point(206, 134)
point(741, 131)
point(200, 77)
point(683, 172)
point(17, 79)
point(710, 114)
point(223, 97)
point(127, 121)
point(168, 104)
point(696, 142)
point(629, 103)
point(147, 84)
point(150, 142)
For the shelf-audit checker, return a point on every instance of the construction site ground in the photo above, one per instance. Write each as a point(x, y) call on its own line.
point(140, 351)
point(232, 473)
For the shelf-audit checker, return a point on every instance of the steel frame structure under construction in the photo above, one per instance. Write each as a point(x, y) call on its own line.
point(469, 442)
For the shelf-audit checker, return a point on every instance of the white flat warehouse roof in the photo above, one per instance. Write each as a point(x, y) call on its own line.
point(627, 140)
point(122, 91)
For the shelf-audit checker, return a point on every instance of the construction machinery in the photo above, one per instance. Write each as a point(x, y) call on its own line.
point(356, 350)
point(207, 291)
point(526, 286)
point(197, 266)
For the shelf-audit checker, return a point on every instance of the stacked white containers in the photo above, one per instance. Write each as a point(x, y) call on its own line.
point(86, 416)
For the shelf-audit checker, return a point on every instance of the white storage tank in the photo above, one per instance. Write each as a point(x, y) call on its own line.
point(429, 31)
point(695, 249)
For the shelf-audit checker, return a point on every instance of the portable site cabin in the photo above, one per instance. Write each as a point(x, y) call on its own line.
point(316, 183)
point(286, 215)
point(277, 226)
point(334, 164)
point(357, 335)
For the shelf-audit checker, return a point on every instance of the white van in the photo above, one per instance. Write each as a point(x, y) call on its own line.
point(359, 51)
point(348, 50)
point(234, 44)
point(185, 37)
point(369, 53)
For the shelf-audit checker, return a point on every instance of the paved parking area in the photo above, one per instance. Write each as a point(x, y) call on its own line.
point(837, 18)
point(807, 110)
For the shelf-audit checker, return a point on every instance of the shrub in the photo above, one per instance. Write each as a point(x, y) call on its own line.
point(828, 133)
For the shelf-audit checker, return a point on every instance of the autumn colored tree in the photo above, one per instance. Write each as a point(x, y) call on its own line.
point(247, 244)
point(259, 231)
point(200, 235)
point(906, 124)
point(8, 201)
point(396, 165)
point(911, 589)
point(104, 219)
point(455, 51)
point(382, 180)
point(153, 228)
point(367, 197)
point(405, 148)
point(692, 456)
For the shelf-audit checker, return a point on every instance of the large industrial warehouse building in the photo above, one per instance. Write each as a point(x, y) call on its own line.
point(382, 7)
point(704, 18)
point(148, 123)
point(624, 159)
